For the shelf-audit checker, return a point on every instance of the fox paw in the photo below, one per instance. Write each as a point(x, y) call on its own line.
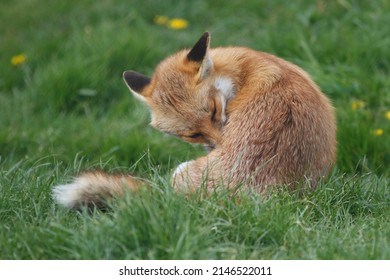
point(182, 167)
point(180, 175)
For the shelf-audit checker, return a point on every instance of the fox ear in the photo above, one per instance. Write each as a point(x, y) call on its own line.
point(200, 54)
point(199, 51)
point(136, 82)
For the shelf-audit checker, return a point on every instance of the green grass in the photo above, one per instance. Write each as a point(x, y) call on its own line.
point(66, 110)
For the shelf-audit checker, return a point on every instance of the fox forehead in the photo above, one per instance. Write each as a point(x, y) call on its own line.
point(175, 92)
point(170, 122)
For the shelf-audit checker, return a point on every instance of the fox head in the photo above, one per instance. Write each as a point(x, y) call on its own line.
point(186, 98)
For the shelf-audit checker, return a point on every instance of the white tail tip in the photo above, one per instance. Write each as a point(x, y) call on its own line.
point(67, 195)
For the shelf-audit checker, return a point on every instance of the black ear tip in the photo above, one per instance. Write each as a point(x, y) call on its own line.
point(127, 75)
point(198, 52)
point(135, 81)
point(205, 38)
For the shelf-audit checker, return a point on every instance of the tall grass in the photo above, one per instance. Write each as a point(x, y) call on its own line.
point(65, 110)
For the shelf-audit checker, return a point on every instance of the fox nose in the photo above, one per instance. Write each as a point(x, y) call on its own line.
point(209, 147)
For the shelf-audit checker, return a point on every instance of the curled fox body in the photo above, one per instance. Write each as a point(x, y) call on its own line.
point(263, 120)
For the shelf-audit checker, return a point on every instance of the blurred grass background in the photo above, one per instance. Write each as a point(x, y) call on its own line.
point(64, 109)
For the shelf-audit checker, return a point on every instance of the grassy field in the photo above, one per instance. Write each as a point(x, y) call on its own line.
point(64, 109)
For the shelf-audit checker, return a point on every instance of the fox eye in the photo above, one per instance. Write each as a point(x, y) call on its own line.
point(213, 112)
point(196, 136)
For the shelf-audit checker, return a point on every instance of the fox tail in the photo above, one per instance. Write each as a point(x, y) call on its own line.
point(93, 189)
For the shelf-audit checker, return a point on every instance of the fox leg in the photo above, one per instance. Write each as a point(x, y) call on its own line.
point(190, 175)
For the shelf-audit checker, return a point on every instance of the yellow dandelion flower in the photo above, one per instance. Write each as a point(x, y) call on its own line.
point(160, 20)
point(177, 23)
point(378, 132)
point(19, 59)
point(387, 115)
point(358, 104)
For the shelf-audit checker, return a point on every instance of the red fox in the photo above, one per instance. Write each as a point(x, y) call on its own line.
point(263, 120)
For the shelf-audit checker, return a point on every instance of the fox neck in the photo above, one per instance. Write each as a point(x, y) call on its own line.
point(227, 92)
point(227, 78)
